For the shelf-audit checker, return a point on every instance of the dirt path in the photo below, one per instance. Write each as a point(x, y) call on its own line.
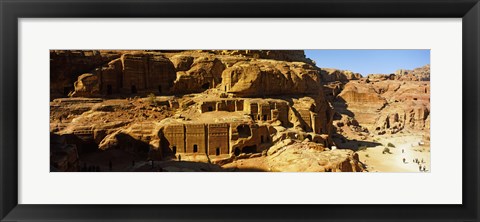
point(376, 161)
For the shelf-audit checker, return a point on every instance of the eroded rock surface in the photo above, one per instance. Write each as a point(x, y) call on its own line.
point(208, 110)
point(312, 157)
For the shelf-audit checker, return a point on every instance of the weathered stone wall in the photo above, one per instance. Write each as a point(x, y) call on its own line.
point(229, 105)
point(218, 138)
point(175, 134)
point(147, 72)
point(111, 77)
point(196, 138)
point(270, 77)
point(67, 65)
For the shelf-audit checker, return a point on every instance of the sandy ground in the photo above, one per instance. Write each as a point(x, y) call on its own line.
point(378, 162)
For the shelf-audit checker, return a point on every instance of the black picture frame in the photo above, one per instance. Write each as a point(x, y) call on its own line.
point(11, 11)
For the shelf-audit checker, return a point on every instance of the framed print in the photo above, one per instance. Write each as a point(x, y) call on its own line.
point(224, 110)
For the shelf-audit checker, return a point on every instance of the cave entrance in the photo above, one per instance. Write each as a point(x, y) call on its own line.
point(66, 90)
point(109, 89)
point(195, 148)
point(249, 149)
point(134, 89)
point(206, 86)
point(217, 151)
point(309, 137)
point(160, 89)
point(243, 131)
point(210, 109)
point(236, 152)
point(174, 150)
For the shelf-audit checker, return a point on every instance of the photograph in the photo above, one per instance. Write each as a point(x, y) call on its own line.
point(202, 110)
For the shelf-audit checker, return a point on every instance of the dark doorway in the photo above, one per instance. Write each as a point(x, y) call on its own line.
point(195, 148)
point(261, 139)
point(226, 89)
point(160, 89)
point(206, 85)
point(243, 131)
point(210, 108)
point(134, 89)
point(109, 89)
point(217, 151)
point(66, 90)
point(236, 152)
point(264, 117)
point(250, 149)
point(309, 137)
point(174, 150)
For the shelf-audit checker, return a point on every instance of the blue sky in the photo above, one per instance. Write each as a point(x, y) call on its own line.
point(368, 61)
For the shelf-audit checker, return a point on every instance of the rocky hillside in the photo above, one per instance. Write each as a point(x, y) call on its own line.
point(123, 110)
point(417, 74)
point(199, 106)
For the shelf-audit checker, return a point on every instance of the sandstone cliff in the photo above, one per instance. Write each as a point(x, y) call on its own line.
point(384, 104)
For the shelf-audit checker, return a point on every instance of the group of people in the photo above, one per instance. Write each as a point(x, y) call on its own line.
point(421, 167)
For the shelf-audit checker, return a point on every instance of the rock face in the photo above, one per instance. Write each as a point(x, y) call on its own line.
point(311, 157)
point(202, 74)
point(147, 71)
point(279, 55)
point(67, 65)
point(333, 75)
point(243, 125)
point(132, 73)
point(383, 104)
point(360, 101)
point(86, 85)
point(242, 72)
point(266, 78)
point(97, 125)
point(418, 74)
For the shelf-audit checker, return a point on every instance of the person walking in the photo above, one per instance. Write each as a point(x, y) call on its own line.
point(420, 168)
point(403, 160)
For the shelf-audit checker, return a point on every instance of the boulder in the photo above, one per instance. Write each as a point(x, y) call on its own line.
point(311, 157)
point(269, 77)
point(87, 85)
point(204, 73)
point(182, 62)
